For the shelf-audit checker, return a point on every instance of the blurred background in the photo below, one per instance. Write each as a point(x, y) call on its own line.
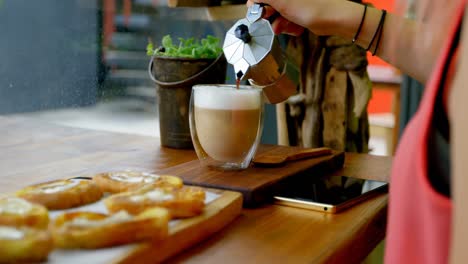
point(83, 63)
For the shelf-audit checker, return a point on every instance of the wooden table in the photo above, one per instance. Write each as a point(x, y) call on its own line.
point(36, 152)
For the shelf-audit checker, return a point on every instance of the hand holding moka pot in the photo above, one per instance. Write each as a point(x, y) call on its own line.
point(251, 47)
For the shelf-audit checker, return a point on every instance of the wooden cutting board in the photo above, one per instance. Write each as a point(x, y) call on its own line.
point(257, 184)
point(221, 208)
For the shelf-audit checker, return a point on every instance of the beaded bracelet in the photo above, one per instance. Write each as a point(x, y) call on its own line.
point(382, 19)
point(378, 31)
point(360, 24)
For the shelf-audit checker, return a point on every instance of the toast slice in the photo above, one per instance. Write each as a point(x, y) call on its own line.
point(19, 212)
point(124, 181)
point(24, 244)
point(182, 202)
point(62, 194)
point(95, 230)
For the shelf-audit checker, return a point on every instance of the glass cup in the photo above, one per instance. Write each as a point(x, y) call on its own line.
point(226, 124)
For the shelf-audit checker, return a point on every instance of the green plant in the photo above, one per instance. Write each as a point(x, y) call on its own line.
point(206, 48)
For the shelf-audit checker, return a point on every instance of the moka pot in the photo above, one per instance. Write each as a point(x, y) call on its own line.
point(252, 48)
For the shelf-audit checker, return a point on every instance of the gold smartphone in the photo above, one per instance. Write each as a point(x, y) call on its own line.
point(330, 194)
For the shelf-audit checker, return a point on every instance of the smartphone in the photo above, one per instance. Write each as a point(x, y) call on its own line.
point(331, 194)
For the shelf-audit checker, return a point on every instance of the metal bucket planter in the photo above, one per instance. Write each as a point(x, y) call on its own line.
point(174, 78)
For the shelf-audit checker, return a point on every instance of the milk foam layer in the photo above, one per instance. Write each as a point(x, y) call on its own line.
point(227, 97)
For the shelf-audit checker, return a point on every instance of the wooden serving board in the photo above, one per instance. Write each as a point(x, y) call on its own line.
point(257, 184)
point(221, 208)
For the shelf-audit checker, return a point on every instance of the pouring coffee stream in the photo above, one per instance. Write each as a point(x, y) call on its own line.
point(252, 48)
point(238, 78)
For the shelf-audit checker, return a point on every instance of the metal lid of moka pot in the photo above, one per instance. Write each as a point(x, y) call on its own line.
point(248, 41)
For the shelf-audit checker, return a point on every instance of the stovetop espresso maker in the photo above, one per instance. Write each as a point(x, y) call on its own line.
point(252, 48)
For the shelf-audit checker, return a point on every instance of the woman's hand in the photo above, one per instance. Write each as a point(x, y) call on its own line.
point(280, 24)
point(295, 15)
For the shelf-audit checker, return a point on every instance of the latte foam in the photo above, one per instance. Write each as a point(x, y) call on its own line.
point(226, 97)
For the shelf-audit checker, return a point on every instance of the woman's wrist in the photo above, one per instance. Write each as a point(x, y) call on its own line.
point(393, 41)
point(337, 17)
point(343, 18)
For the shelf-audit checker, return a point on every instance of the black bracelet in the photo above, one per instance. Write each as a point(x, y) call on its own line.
point(382, 17)
point(360, 24)
point(382, 20)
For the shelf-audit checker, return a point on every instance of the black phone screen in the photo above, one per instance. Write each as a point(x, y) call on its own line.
point(332, 190)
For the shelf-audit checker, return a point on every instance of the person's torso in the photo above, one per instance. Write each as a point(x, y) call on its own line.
point(420, 209)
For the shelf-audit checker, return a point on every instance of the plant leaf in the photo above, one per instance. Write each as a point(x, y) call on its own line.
point(208, 47)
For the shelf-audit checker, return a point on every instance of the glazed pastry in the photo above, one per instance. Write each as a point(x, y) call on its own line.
point(181, 202)
point(24, 244)
point(19, 212)
point(96, 230)
point(123, 181)
point(62, 194)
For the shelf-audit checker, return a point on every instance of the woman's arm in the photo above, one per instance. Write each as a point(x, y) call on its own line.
point(459, 147)
point(401, 43)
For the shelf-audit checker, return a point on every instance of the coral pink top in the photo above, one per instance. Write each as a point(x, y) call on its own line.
point(419, 225)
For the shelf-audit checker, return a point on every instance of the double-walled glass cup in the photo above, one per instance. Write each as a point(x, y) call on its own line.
point(226, 124)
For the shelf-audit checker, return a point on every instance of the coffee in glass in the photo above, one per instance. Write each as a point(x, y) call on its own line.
point(226, 124)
